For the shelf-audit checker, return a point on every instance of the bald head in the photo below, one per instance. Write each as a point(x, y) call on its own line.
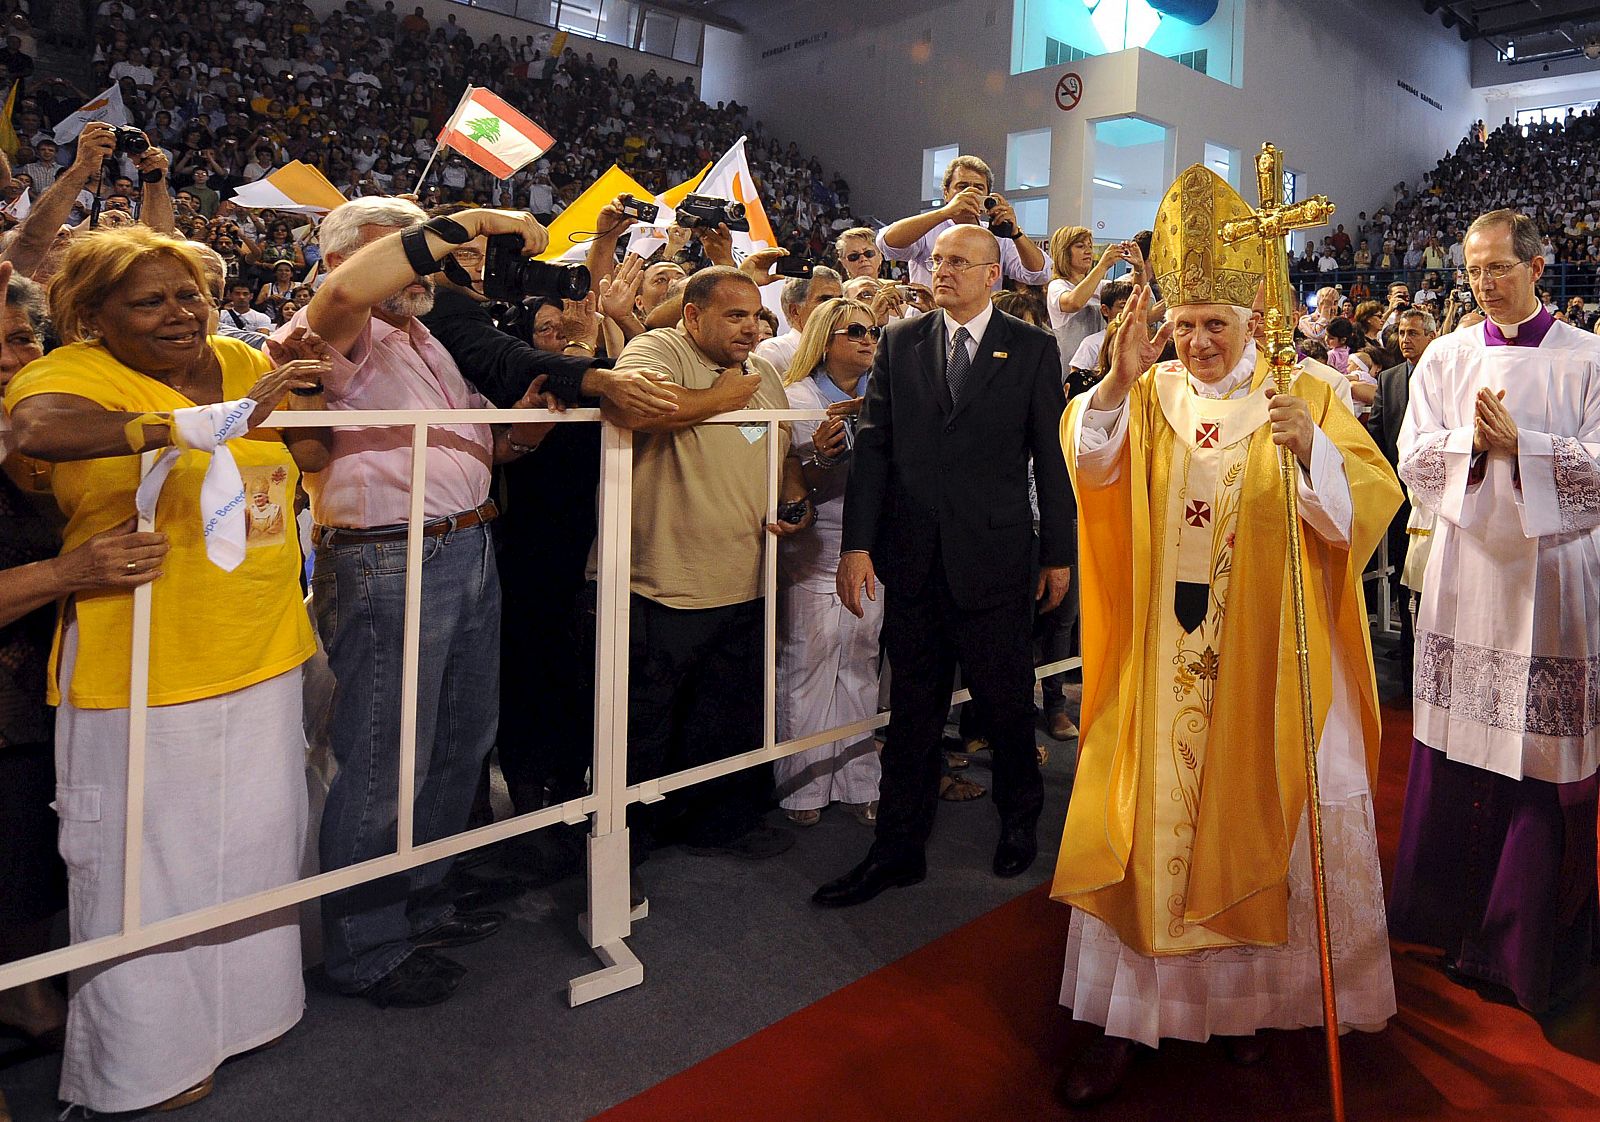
point(966, 267)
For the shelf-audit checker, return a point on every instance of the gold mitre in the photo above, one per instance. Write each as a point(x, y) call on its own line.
point(1190, 261)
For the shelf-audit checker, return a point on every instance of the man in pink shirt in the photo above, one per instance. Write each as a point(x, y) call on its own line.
point(381, 939)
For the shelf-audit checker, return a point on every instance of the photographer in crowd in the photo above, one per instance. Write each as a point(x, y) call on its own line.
point(381, 938)
point(38, 238)
point(968, 197)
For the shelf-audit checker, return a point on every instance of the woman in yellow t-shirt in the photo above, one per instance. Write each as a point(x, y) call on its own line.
point(225, 797)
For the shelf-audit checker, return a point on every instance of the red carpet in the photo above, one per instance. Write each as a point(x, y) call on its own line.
point(968, 1028)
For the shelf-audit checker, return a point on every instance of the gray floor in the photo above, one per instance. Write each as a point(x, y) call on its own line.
point(729, 947)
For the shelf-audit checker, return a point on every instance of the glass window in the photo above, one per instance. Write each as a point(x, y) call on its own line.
point(1206, 37)
point(1131, 165)
point(618, 18)
point(658, 31)
point(1553, 114)
point(934, 161)
point(1224, 161)
point(1028, 160)
point(629, 23)
point(581, 17)
point(1033, 215)
point(538, 11)
point(687, 46)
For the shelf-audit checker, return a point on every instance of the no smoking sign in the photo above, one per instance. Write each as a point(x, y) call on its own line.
point(1069, 91)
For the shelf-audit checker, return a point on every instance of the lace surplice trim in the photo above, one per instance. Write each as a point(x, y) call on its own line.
point(1426, 470)
point(1544, 695)
point(1577, 480)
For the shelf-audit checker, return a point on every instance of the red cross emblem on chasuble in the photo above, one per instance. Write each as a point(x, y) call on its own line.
point(1197, 513)
point(1207, 434)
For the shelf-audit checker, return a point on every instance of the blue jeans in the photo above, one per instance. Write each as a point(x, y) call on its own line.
point(359, 596)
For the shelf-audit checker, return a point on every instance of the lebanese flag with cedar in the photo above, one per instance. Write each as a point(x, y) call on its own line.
point(487, 131)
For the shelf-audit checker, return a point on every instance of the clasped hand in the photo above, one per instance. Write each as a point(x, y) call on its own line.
point(1493, 430)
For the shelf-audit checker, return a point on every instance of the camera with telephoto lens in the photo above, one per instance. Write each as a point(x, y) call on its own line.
point(638, 208)
point(710, 211)
point(130, 141)
point(509, 277)
point(1005, 229)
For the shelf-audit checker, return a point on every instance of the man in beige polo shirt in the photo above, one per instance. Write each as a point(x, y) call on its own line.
point(699, 528)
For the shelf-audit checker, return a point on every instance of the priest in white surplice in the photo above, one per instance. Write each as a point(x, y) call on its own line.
point(1185, 854)
point(1501, 439)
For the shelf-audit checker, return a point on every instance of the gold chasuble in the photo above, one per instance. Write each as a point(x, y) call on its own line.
point(1184, 808)
point(1191, 785)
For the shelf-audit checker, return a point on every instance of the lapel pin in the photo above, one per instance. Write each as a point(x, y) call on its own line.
point(1000, 354)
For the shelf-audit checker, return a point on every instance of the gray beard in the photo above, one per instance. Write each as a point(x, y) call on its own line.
point(404, 304)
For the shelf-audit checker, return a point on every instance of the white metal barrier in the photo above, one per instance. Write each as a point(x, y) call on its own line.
point(609, 918)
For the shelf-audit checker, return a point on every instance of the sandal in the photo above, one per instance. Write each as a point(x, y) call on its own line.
point(955, 761)
point(1043, 753)
point(803, 817)
point(865, 813)
point(955, 789)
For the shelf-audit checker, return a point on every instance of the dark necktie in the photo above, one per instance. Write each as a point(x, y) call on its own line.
point(958, 366)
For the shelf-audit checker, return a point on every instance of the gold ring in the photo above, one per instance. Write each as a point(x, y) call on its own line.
point(131, 566)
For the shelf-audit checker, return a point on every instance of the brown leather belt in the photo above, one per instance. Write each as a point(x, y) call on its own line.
point(331, 537)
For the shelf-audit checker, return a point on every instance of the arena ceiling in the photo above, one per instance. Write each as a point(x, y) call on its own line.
point(1525, 30)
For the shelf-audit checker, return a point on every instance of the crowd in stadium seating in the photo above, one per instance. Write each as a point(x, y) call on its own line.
point(227, 92)
point(239, 88)
point(1549, 170)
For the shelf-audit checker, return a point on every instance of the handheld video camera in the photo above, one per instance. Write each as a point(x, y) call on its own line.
point(510, 277)
point(710, 211)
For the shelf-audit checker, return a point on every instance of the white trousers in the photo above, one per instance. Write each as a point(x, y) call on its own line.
point(827, 676)
point(224, 816)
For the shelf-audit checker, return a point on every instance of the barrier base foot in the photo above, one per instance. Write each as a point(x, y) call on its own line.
point(622, 971)
point(640, 911)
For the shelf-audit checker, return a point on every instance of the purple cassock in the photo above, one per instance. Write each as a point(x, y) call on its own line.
point(1499, 872)
point(1481, 874)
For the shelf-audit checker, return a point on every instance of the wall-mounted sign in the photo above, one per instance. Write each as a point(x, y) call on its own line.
point(1069, 91)
point(803, 41)
point(1410, 89)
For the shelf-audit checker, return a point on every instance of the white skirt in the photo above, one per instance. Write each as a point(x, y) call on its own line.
point(1236, 991)
point(827, 676)
point(224, 816)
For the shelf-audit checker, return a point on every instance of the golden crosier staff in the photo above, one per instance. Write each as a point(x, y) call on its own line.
point(1270, 223)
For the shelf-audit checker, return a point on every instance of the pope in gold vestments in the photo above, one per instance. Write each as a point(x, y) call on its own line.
point(1185, 852)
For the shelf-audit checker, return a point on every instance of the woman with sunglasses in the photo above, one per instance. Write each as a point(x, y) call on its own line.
point(827, 658)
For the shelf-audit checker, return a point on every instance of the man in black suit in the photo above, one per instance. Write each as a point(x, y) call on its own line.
point(937, 503)
point(1414, 330)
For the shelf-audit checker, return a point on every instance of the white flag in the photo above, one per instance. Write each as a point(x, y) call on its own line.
point(107, 107)
point(729, 178)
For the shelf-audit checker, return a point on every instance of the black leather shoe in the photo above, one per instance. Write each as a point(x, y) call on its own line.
point(459, 930)
point(422, 978)
point(871, 877)
point(1016, 851)
point(1098, 1073)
